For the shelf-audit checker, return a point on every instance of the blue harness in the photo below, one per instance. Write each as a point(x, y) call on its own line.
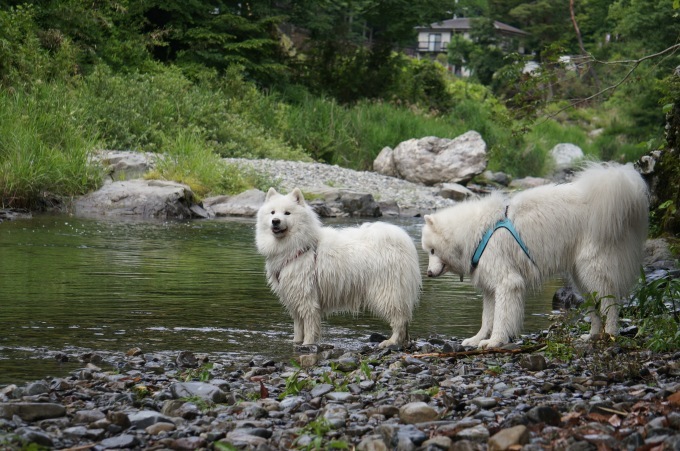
point(503, 223)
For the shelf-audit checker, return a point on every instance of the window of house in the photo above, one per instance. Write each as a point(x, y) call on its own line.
point(435, 42)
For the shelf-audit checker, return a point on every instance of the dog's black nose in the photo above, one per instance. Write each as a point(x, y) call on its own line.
point(276, 221)
point(430, 273)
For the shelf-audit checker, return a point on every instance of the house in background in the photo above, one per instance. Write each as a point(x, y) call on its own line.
point(435, 39)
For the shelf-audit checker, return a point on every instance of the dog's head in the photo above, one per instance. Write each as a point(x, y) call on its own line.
point(279, 214)
point(442, 258)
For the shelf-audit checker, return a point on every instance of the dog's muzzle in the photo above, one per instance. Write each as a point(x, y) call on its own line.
point(277, 228)
point(431, 273)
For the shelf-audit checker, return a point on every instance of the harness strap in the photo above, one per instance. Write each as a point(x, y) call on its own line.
point(297, 255)
point(505, 223)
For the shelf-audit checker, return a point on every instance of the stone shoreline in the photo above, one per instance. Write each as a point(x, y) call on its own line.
point(606, 397)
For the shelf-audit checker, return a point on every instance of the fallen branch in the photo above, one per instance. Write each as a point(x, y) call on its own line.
point(455, 355)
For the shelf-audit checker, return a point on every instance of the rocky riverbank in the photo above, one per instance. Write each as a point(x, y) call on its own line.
point(430, 396)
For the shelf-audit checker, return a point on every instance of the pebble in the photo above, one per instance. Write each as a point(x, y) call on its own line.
point(394, 406)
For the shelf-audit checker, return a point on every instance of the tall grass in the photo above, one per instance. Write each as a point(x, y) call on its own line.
point(43, 150)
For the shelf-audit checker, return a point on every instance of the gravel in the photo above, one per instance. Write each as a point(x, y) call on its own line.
point(318, 176)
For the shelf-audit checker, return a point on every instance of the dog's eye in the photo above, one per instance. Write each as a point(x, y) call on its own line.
point(273, 212)
point(287, 213)
point(432, 251)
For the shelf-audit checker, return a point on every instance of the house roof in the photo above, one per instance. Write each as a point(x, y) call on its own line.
point(463, 24)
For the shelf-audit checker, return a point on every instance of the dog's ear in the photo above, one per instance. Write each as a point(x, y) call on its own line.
point(429, 220)
point(297, 196)
point(270, 193)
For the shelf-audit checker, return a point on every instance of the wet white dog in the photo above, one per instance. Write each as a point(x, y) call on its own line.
point(592, 229)
point(316, 270)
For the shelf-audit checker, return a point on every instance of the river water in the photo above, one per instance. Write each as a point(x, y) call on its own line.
point(109, 285)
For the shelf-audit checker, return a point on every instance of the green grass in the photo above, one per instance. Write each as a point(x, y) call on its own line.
point(43, 151)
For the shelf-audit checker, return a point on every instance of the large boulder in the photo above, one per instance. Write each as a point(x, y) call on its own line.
point(140, 198)
point(566, 156)
point(433, 160)
point(244, 204)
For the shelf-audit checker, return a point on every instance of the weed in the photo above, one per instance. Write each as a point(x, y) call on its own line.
point(294, 384)
point(317, 429)
point(201, 373)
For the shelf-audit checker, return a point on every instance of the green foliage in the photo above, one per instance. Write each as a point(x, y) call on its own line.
point(29, 55)
point(317, 429)
point(43, 150)
point(202, 373)
point(656, 312)
point(144, 111)
point(294, 383)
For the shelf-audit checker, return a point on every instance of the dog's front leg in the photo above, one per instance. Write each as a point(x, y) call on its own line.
point(508, 312)
point(311, 323)
point(298, 329)
point(488, 307)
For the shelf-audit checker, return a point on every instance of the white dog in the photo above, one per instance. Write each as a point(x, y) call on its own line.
point(592, 229)
point(316, 270)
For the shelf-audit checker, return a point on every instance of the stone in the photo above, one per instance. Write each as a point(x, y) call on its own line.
point(432, 160)
point(528, 182)
point(125, 164)
point(34, 435)
point(384, 163)
point(533, 362)
point(124, 441)
point(475, 434)
point(145, 418)
point(417, 412)
point(373, 443)
point(507, 438)
point(205, 391)
point(36, 388)
point(32, 411)
point(88, 416)
point(485, 402)
point(455, 191)
point(244, 204)
point(138, 198)
point(157, 428)
point(566, 155)
point(544, 414)
point(321, 389)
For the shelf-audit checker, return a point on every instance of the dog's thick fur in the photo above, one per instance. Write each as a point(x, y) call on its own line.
point(592, 229)
point(316, 270)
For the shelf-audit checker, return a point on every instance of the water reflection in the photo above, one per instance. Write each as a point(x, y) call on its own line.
point(170, 286)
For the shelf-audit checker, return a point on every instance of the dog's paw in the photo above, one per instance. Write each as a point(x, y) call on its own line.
point(386, 344)
point(586, 337)
point(471, 342)
point(491, 343)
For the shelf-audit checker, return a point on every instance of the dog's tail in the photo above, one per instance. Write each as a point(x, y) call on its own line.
point(618, 201)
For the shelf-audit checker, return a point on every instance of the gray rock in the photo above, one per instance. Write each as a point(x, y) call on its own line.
point(544, 414)
point(533, 362)
point(124, 441)
point(145, 418)
point(244, 204)
point(139, 198)
point(485, 402)
point(506, 438)
point(321, 389)
point(433, 160)
point(207, 392)
point(31, 411)
point(455, 191)
point(34, 435)
point(417, 412)
point(528, 182)
point(36, 388)
point(566, 155)
point(125, 164)
point(384, 163)
point(88, 416)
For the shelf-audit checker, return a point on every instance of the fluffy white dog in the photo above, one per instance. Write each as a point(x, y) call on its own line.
point(316, 270)
point(593, 229)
